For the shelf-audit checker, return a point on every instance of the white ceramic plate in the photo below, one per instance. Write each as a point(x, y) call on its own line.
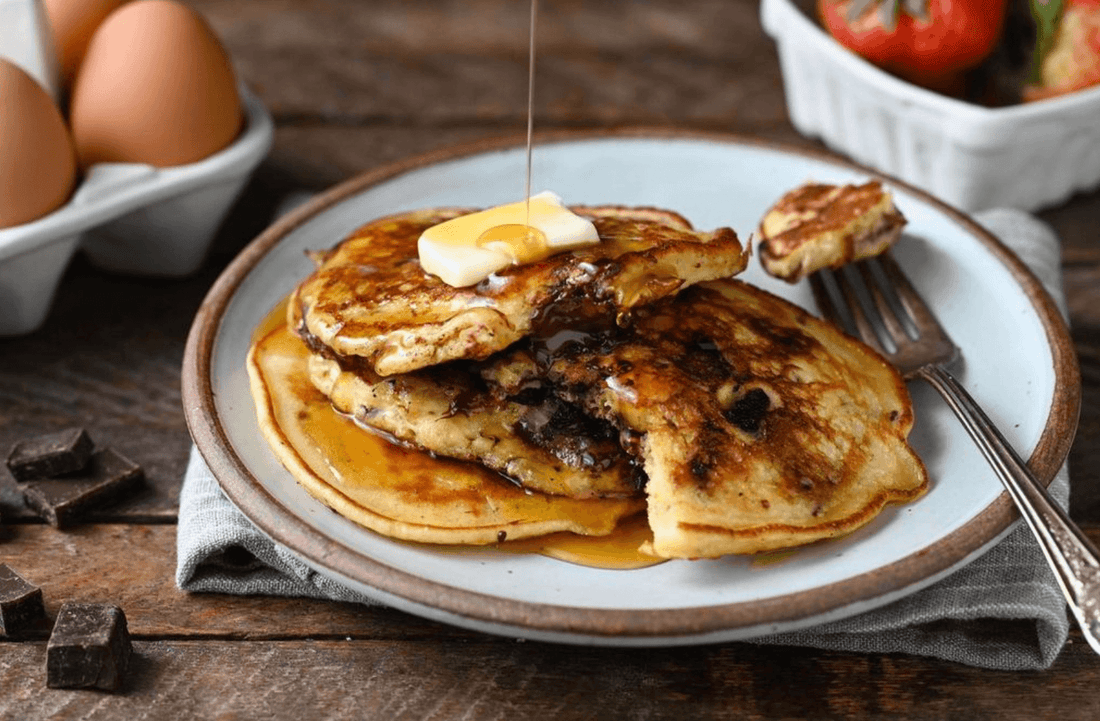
point(1019, 364)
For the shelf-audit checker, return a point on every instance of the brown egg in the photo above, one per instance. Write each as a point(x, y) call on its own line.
point(73, 22)
point(155, 87)
point(37, 165)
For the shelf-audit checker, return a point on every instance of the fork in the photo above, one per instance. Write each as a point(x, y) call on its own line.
point(876, 299)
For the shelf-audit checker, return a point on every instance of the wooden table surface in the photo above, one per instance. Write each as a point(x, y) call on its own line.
point(353, 86)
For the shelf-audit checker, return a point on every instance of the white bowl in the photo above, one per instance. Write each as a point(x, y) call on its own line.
point(129, 218)
point(1024, 156)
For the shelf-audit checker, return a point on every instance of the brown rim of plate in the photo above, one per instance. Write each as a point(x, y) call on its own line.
point(277, 522)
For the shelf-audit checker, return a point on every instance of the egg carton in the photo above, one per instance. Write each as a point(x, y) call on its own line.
point(129, 218)
point(1027, 156)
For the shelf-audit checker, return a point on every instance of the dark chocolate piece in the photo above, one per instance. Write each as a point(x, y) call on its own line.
point(20, 603)
point(89, 647)
point(50, 455)
point(62, 501)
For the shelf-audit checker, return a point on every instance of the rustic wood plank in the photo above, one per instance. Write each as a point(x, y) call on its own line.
point(134, 566)
point(490, 678)
point(426, 64)
point(484, 26)
point(1082, 286)
point(100, 564)
point(1075, 222)
point(1084, 457)
point(111, 366)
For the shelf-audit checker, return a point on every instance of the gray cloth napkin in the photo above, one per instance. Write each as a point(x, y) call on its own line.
point(1002, 611)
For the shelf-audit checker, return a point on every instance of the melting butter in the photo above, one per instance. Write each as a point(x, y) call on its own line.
point(470, 248)
point(522, 243)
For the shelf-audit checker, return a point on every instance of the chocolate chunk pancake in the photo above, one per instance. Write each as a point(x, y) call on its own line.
point(369, 298)
point(820, 226)
point(534, 438)
point(393, 490)
point(759, 425)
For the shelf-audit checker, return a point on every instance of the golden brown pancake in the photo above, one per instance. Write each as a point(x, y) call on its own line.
point(396, 491)
point(371, 299)
point(759, 425)
point(820, 226)
point(530, 436)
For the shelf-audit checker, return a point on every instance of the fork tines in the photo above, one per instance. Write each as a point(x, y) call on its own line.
point(874, 301)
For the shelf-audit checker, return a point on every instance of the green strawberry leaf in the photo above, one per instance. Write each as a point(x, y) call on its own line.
point(1046, 14)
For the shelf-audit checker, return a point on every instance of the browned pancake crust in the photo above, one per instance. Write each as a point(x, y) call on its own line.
point(371, 299)
point(820, 226)
point(759, 425)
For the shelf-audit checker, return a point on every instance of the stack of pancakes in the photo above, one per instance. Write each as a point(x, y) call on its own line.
point(569, 393)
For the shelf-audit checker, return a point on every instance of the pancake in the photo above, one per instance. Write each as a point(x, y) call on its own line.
point(534, 438)
point(820, 226)
point(759, 426)
point(369, 297)
point(396, 491)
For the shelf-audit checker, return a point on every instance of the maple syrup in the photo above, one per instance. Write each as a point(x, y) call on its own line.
point(529, 246)
point(530, 104)
point(617, 551)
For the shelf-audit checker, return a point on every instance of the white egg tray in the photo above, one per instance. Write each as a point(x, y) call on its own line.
point(129, 218)
point(1024, 156)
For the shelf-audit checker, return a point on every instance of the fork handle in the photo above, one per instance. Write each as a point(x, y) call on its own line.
point(1074, 560)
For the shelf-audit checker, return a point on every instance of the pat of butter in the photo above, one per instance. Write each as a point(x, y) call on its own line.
point(467, 249)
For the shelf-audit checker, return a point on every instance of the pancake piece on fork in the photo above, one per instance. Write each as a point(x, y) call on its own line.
point(819, 226)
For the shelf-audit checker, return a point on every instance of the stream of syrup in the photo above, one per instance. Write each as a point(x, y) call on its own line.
point(530, 106)
point(521, 241)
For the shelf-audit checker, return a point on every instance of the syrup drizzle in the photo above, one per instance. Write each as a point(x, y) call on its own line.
point(530, 107)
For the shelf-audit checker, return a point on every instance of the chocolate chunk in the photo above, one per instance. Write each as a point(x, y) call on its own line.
point(62, 501)
point(20, 603)
point(89, 647)
point(748, 411)
point(50, 455)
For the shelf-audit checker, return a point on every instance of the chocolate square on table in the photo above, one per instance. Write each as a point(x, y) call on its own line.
point(52, 454)
point(20, 603)
point(89, 647)
point(62, 501)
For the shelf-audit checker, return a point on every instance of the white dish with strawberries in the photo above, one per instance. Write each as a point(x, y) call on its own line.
point(974, 157)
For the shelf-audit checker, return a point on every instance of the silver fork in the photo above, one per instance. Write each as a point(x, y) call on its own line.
point(889, 315)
